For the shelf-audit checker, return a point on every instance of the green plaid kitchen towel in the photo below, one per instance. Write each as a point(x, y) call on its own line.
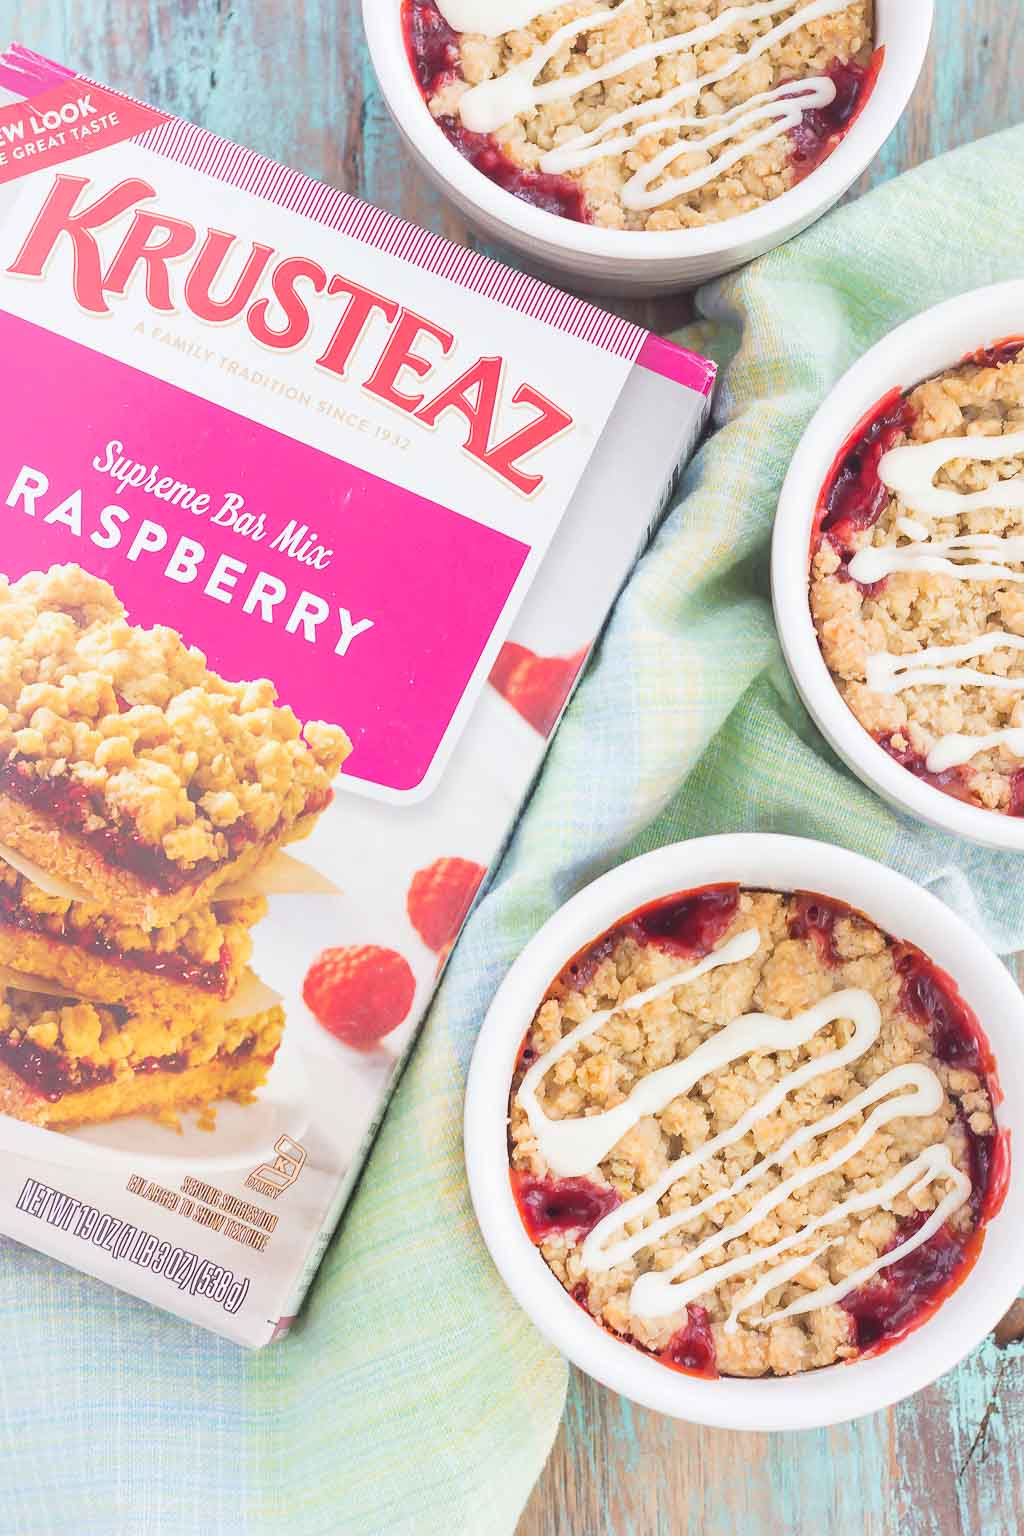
point(413, 1396)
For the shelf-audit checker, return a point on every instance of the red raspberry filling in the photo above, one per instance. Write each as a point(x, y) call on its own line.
point(952, 781)
point(901, 1297)
point(53, 1076)
point(816, 919)
point(174, 965)
point(853, 496)
point(823, 129)
point(561, 1205)
point(689, 924)
point(932, 997)
point(1005, 351)
point(434, 52)
point(692, 1349)
point(1017, 793)
point(71, 805)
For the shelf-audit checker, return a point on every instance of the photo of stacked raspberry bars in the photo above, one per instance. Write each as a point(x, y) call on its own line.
point(144, 804)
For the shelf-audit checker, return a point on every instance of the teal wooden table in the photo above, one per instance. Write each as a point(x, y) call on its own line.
point(290, 78)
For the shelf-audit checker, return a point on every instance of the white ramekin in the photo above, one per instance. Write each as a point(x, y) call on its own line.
point(617, 261)
point(818, 1398)
point(928, 344)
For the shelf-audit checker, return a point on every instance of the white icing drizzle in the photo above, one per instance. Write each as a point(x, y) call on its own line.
point(657, 1294)
point(909, 472)
point(492, 18)
point(963, 557)
point(600, 1257)
point(599, 1254)
point(912, 529)
point(573, 1147)
point(782, 110)
point(954, 750)
point(933, 1163)
point(940, 665)
point(486, 107)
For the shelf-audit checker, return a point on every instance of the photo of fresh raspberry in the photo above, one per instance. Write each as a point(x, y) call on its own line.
point(359, 993)
point(535, 686)
point(439, 898)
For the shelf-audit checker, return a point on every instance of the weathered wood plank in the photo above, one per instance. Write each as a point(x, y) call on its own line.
point(948, 1462)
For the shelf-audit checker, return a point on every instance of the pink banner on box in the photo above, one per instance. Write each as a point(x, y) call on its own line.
point(63, 122)
point(366, 605)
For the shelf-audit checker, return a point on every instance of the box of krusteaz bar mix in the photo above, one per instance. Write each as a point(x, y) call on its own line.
point(308, 520)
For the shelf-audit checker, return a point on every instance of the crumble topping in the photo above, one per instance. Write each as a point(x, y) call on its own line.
point(537, 139)
point(912, 610)
point(137, 721)
point(807, 952)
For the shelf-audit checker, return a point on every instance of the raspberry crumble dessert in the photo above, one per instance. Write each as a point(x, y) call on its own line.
point(917, 577)
point(644, 114)
point(65, 1062)
point(132, 770)
point(752, 1134)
